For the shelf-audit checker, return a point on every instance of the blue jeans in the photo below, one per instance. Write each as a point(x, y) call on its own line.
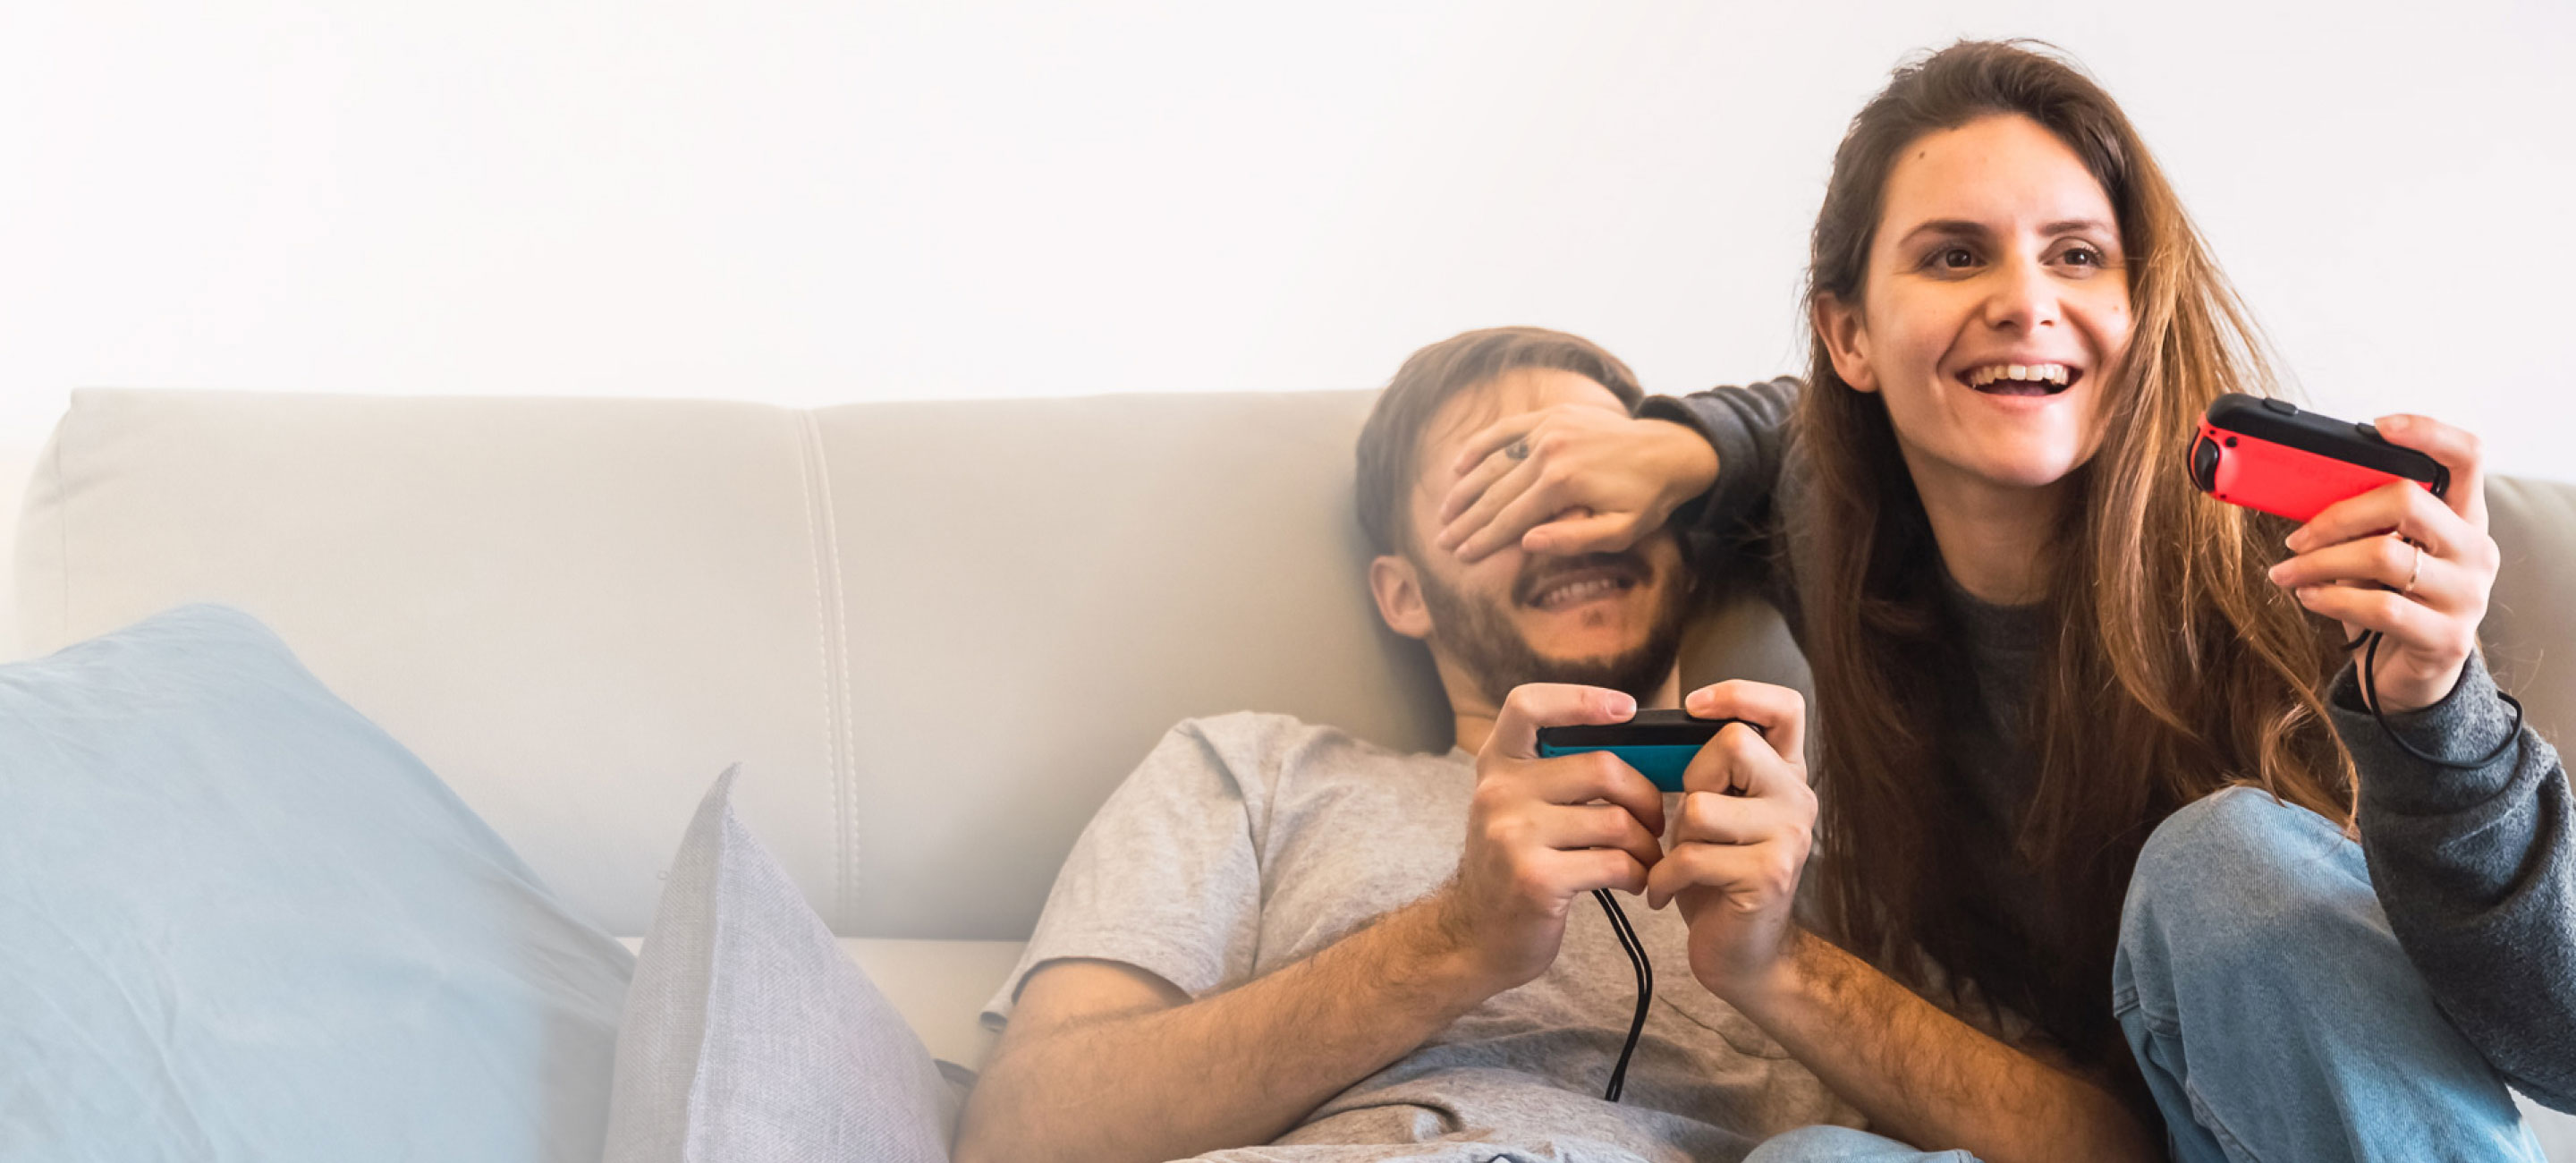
point(1845, 1145)
point(2272, 1011)
point(2270, 1008)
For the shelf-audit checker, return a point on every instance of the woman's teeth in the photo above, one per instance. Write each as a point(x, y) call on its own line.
point(2041, 377)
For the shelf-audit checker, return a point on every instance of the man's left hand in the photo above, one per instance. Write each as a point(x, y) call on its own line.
point(1740, 840)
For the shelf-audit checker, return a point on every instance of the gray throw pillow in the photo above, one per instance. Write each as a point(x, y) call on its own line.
point(749, 1036)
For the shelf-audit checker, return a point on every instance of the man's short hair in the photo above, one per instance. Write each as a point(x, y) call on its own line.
point(1392, 439)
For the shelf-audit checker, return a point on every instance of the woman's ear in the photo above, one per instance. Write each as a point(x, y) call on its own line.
point(1846, 340)
point(1398, 591)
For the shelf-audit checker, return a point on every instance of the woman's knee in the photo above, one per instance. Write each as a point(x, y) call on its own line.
point(2237, 837)
point(2238, 876)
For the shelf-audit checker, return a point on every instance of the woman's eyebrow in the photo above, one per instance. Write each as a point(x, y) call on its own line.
point(1965, 228)
point(1946, 227)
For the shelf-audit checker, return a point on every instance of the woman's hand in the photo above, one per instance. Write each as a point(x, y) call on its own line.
point(1571, 479)
point(2415, 567)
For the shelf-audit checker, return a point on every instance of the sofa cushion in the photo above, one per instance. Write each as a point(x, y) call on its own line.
point(748, 1035)
point(2530, 629)
point(238, 921)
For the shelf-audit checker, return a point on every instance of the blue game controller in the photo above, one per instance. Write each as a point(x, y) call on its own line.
point(1659, 744)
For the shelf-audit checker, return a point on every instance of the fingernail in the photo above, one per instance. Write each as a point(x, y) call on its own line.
point(2306, 592)
point(1624, 707)
point(2395, 423)
point(2274, 573)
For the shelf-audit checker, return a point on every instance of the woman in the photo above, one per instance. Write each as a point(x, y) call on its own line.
point(2045, 665)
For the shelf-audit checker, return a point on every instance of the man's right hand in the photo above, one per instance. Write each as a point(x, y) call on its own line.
point(1541, 832)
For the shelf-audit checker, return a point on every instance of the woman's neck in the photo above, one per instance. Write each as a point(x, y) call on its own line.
point(1993, 538)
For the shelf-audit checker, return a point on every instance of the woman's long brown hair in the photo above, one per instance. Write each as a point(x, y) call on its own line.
point(2175, 668)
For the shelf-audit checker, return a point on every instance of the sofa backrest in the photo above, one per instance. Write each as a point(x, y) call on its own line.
point(935, 634)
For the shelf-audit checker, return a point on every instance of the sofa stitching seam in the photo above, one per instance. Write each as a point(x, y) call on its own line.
point(844, 725)
point(63, 528)
point(808, 473)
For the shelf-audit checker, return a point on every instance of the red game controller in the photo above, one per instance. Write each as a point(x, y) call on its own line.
point(2270, 456)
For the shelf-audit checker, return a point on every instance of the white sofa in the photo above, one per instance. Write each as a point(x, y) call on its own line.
point(935, 634)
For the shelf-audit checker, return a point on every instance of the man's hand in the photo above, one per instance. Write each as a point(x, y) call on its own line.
point(1740, 839)
point(1539, 833)
point(1570, 479)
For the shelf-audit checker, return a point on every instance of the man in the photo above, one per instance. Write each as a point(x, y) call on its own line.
point(1276, 942)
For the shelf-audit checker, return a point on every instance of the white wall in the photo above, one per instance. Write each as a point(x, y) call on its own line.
point(830, 202)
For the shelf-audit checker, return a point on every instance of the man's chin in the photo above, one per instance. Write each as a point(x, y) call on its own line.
point(1639, 672)
point(1498, 666)
point(1494, 648)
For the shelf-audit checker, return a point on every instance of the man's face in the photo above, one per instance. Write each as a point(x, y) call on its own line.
point(1606, 619)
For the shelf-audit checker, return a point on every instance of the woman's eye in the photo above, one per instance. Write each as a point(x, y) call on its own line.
point(1951, 258)
point(2082, 256)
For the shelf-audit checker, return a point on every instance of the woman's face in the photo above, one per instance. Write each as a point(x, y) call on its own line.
point(1995, 309)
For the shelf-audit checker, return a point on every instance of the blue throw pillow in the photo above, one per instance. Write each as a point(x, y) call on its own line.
point(239, 922)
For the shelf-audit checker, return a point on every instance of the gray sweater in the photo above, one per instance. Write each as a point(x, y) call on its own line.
point(2476, 869)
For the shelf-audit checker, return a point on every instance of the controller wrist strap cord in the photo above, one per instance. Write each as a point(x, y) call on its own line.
point(2368, 644)
point(1636, 950)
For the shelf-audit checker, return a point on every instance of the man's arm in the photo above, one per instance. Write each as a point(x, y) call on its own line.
point(1104, 1061)
point(1926, 1077)
point(1740, 843)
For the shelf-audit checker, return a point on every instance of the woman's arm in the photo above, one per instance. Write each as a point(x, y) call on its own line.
point(2474, 861)
point(2477, 871)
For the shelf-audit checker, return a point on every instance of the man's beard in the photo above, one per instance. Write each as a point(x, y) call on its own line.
point(1497, 657)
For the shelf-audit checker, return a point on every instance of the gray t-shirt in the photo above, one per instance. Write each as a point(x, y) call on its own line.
point(1246, 842)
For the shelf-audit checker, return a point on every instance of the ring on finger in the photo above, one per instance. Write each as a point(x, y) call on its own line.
point(2414, 572)
point(1517, 450)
